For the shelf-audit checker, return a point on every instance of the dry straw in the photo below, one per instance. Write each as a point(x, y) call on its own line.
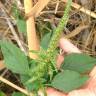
point(82, 9)
point(31, 31)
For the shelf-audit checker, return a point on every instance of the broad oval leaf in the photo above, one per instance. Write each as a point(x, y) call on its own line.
point(78, 62)
point(67, 81)
point(14, 58)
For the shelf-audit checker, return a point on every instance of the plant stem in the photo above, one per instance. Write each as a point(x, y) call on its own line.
point(31, 31)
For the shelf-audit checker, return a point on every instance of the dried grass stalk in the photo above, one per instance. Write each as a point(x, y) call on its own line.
point(31, 31)
point(15, 86)
point(82, 9)
point(76, 31)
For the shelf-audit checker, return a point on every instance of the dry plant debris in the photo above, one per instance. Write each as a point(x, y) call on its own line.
point(81, 28)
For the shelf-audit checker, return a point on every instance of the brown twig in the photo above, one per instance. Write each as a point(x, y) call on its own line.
point(76, 31)
point(82, 9)
point(15, 86)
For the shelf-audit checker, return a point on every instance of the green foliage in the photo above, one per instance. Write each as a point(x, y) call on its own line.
point(15, 10)
point(24, 79)
point(45, 40)
point(14, 58)
point(18, 94)
point(78, 62)
point(67, 80)
point(21, 24)
point(2, 94)
point(20, 21)
point(33, 86)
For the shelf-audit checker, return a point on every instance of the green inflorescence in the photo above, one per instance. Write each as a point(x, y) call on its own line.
point(47, 62)
point(59, 29)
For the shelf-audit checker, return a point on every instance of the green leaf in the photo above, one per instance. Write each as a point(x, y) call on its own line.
point(15, 10)
point(45, 41)
point(21, 24)
point(33, 86)
point(2, 94)
point(14, 58)
point(78, 62)
point(18, 94)
point(67, 81)
point(24, 79)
